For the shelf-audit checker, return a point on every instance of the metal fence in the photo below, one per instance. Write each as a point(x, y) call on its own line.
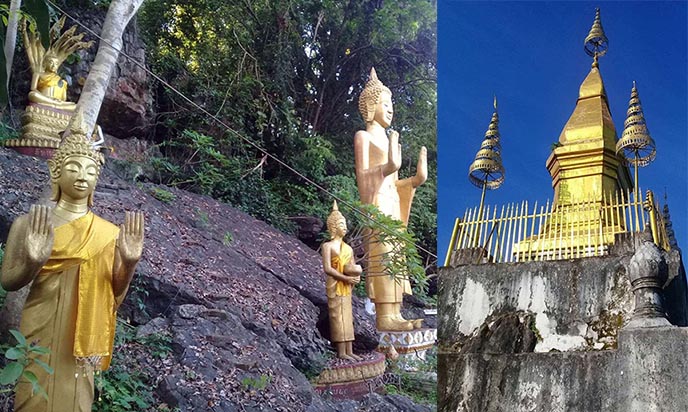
point(516, 232)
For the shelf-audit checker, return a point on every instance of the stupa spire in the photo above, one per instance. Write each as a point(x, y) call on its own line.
point(584, 165)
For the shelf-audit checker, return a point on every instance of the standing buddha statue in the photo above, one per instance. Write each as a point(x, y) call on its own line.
point(378, 159)
point(81, 266)
point(342, 274)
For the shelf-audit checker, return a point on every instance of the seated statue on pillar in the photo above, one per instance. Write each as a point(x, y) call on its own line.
point(378, 159)
point(342, 274)
point(48, 112)
point(79, 267)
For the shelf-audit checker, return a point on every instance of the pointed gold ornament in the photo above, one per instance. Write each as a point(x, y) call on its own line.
point(487, 171)
point(596, 43)
point(636, 147)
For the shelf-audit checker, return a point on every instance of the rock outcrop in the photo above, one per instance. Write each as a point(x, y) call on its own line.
point(240, 300)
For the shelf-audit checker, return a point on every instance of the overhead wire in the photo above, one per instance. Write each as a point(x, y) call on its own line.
point(379, 225)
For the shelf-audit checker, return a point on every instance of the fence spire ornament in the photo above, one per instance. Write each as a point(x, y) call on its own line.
point(635, 147)
point(487, 171)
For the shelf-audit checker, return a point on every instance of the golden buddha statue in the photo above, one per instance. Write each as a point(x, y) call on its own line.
point(342, 273)
point(81, 266)
point(378, 159)
point(48, 112)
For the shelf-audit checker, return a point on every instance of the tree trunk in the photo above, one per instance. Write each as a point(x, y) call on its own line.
point(11, 36)
point(93, 93)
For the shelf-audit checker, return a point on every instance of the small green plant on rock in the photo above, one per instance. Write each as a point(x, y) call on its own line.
point(534, 329)
point(256, 384)
point(227, 239)
point(203, 218)
point(162, 195)
point(159, 345)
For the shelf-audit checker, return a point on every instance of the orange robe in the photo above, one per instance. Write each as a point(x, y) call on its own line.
point(339, 299)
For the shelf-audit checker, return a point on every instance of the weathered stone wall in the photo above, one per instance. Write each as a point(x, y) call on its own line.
point(578, 304)
point(647, 373)
point(576, 310)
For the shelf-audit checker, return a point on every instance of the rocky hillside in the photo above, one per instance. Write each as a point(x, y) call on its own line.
point(241, 306)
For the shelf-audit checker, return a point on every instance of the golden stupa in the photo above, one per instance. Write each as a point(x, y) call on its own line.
point(587, 173)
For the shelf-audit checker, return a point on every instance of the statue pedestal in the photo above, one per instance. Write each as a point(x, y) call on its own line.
point(352, 379)
point(411, 345)
point(41, 128)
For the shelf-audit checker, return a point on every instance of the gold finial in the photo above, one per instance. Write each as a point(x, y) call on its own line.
point(487, 169)
point(370, 96)
point(495, 102)
point(596, 43)
point(334, 206)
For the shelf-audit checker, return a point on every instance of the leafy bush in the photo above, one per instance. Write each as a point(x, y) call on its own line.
point(20, 357)
point(162, 195)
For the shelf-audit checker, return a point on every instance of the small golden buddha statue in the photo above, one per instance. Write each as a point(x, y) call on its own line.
point(378, 159)
point(81, 266)
point(48, 112)
point(342, 273)
point(47, 87)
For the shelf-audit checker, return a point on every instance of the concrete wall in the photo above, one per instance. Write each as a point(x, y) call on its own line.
point(647, 373)
point(584, 359)
point(578, 304)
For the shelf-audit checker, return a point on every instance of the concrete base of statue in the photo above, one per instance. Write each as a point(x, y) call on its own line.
point(411, 346)
point(41, 128)
point(349, 379)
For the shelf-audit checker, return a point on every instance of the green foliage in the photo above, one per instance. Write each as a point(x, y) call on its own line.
point(256, 384)
point(4, 92)
point(124, 388)
point(227, 239)
point(39, 10)
point(37, 14)
point(402, 260)
point(287, 76)
point(203, 218)
point(162, 195)
point(21, 356)
point(3, 293)
point(533, 327)
point(412, 379)
point(7, 132)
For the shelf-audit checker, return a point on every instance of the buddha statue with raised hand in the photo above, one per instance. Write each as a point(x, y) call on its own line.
point(47, 87)
point(81, 266)
point(378, 159)
point(48, 113)
point(342, 273)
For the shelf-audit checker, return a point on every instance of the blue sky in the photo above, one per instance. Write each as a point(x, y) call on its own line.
point(530, 54)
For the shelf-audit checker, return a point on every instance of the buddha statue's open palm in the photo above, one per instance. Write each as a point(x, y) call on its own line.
point(130, 239)
point(38, 242)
